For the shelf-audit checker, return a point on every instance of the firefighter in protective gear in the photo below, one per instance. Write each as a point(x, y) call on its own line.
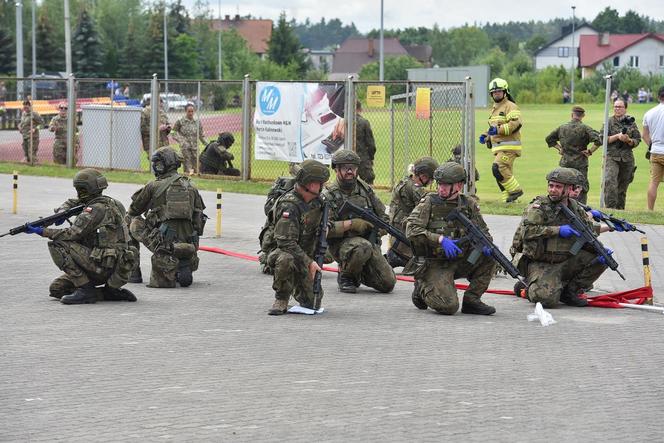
point(504, 139)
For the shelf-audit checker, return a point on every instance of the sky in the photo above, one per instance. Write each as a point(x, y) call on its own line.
point(413, 13)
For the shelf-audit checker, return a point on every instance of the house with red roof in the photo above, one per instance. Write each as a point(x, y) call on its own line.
point(256, 32)
point(642, 51)
point(356, 52)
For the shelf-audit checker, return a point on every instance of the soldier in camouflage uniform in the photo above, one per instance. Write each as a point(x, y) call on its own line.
point(571, 140)
point(164, 126)
point(297, 215)
point(174, 220)
point(94, 250)
point(29, 129)
point(353, 242)
point(553, 273)
point(438, 258)
point(186, 131)
point(405, 196)
point(58, 125)
point(216, 158)
point(365, 146)
point(623, 137)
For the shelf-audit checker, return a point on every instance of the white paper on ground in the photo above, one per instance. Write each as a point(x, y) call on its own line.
point(540, 314)
point(306, 311)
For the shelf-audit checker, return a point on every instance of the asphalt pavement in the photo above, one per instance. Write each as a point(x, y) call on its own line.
point(206, 363)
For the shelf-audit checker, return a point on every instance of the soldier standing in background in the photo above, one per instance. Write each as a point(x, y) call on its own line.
point(58, 125)
point(571, 140)
point(623, 137)
point(297, 217)
point(164, 126)
point(187, 131)
point(360, 259)
point(405, 196)
point(365, 146)
point(29, 129)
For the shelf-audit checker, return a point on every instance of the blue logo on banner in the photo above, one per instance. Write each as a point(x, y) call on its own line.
point(270, 100)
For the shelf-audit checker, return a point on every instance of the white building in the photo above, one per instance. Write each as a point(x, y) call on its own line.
point(564, 50)
point(642, 51)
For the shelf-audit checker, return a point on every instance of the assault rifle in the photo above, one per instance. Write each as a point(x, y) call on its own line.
point(478, 240)
point(588, 236)
point(47, 221)
point(319, 253)
point(350, 208)
point(612, 221)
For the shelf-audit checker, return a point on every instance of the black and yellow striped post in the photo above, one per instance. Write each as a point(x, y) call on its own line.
point(15, 192)
point(218, 230)
point(646, 264)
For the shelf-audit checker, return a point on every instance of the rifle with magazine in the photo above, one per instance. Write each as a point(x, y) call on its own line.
point(56, 218)
point(479, 241)
point(587, 236)
point(319, 253)
point(611, 221)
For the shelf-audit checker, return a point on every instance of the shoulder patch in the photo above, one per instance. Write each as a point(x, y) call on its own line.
point(536, 205)
point(285, 214)
point(88, 209)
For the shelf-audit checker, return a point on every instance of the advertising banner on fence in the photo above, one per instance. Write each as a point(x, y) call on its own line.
point(297, 121)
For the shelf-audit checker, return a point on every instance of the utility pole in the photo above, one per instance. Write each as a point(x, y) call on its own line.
point(220, 69)
point(574, 53)
point(68, 67)
point(19, 49)
point(165, 48)
point(33, 91)
point(381, 64)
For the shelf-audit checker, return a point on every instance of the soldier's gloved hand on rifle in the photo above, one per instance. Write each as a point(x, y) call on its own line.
point(601, 259)
point(597, 215)
point(486, 251)
point(567, 231)
point(360, 226)
point(450, 247)
point(493, 130)
point(34, 230)
point(483, 138)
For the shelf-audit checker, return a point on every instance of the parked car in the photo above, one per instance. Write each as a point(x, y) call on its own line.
point(172, 101)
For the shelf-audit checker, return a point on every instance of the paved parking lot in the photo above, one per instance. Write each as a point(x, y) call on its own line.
point(206, 363)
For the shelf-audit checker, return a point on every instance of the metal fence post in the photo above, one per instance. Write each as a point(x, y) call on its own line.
point(110, 127)
point(349, 114)
point(391, 142)
point(154, 114)
point(246, 125)
point(605, 137)
point(469, 137)
point(198, 126)
point(71, 120)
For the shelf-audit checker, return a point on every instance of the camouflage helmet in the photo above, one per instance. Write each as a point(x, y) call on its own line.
point(425, 165)
point(312, 171)
point(226, 139)
point(580, 178)
point(90, 180)
point(566, 176)
point(450, 172)
point(498, 84)
point(169, 157)
point(293, 168)
point(345, 157)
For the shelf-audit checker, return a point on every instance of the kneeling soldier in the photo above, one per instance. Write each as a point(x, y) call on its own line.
point(438, 259)
point(297, 215)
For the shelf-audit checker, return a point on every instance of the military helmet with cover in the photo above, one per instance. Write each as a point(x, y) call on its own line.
point(566, 176)
point(425, 165)
point(166, 159)
point(91, 181)
point(345, 157)
point(498, 84)
point(226, 139)
point(312, 171)
point(449, 172)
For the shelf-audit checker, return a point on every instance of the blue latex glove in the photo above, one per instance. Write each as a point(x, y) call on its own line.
point(601, 258)
point(34, 230)
point(567, 231)
point(482, 139)
point(486, 251)
point(493, 130)
point(597, 215)
point(450, 247)
point(620, 228)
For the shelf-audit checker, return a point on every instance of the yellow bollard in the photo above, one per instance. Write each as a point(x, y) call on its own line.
point(646, 264)
point(218, 212)
point(15, 193)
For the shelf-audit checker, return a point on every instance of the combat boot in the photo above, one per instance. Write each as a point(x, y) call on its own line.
point(136, 276)
point(476, 306)
point(85, 294)
point(118, 294)
point(279, 307)
point(394, 260)
point(346, 284)
point(573, 297)
point(417, 298)
point(184, 275)
point(513, 196)
point(520, 290)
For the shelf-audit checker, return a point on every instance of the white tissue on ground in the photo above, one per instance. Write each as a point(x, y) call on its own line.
point(541, 315)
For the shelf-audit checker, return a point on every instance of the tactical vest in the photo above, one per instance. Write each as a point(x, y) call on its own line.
point(361, 198)
point(178, 203)
point(112, 231)
point(308, 215)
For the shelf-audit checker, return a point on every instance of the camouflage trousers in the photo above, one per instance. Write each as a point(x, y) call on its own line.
point(292, 279)
point(619, 175)
point(435, 281)
point(546, 281)
point(76, 261)
point(190, 155)
point(60, 152)
point(206, 169)
point(366, 172)
point(31, 142)
point(363, 261)
point(167, 258)
point(583, 169)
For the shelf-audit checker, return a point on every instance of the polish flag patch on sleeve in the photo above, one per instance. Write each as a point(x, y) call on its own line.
point(87, 209)
point(285, 214)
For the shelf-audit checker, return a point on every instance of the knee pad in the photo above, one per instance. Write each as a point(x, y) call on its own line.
point(495, 170)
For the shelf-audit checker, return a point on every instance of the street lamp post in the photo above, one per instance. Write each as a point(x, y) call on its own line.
point(219, 53)
point(19, 49)
point(381, 64)
point(574, 54)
